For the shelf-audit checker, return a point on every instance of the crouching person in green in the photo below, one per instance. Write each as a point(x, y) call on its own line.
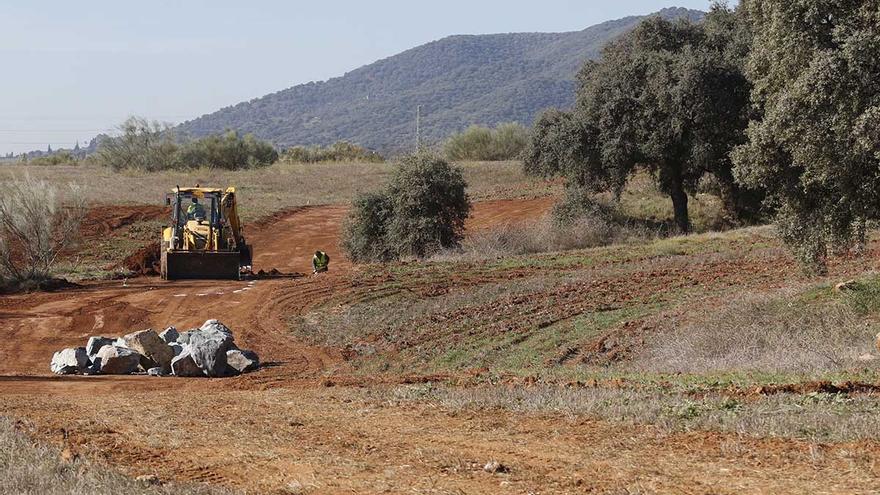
point(320, 262)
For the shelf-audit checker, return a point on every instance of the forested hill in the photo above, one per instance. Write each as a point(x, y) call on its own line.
point(458, 81)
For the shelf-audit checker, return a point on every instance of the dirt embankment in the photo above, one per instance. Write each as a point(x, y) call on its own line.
point(105, 219)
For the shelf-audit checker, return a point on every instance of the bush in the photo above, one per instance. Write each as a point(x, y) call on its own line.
point(422, 210)
point(228, 152)
point(142, 145)
point(365, 233)
point(577, 222)
point(151, 146)
point(505, 142)
point(340, 151)
point(35, 228)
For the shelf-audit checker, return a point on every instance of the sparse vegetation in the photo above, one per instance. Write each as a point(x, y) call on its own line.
point(341, 151)
point(54, 159)
point(764, 332)
point(817, 417)
point(478, 143)
point(29, 468)
point(37, 222)
point(421, 211)
point(153, 146)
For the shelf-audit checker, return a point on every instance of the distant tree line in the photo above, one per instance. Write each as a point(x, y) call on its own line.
point(777, 99)
point(153, 146)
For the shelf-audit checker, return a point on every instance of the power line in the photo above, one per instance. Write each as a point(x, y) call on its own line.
point(57, 130)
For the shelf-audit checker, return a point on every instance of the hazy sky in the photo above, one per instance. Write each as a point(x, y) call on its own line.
point(73, 69)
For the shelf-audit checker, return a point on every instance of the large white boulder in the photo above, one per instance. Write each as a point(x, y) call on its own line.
point(69, 361)
point(115, 360)
point(208, 347)
point(148, 344)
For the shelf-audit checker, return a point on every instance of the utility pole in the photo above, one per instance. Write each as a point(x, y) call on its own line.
point(419, 128)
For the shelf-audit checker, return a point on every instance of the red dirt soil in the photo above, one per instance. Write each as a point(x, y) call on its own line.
point(281, 427)
point(103, 220)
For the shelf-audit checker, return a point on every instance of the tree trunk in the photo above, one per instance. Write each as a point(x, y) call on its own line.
point(680, 207)
point(730, 200)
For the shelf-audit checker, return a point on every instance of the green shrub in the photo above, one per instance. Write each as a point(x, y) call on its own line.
point(341, 151)
point(229, 152)
point(477, 143)
point(365, 233)
point(422, 210)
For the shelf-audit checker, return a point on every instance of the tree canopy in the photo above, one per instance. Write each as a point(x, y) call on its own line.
point(815, 147)
point(669, 97)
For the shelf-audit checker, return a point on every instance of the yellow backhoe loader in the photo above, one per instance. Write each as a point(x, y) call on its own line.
point(204, 240)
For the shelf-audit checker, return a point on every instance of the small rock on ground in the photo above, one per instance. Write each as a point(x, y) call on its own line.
point(495, 467)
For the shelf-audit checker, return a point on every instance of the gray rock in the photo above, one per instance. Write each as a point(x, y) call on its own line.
point(242, 360)
point(184, 365)
point(156, 372)
point(69, 361)
point(208, 347)
point(117, 360)
point(169, 335)
point(96, 343)
point(94, 368)
point(176, 348)
point(148, 344)
point(214, 326)
point(183, 337)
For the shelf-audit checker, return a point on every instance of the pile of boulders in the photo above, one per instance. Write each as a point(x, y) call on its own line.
point(209, 350)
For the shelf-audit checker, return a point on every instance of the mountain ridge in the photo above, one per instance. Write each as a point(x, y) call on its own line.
point(458, 80)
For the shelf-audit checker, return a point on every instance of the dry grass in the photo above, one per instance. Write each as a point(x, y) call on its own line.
point(277, 187)
point(779, 332)
point(542, 236)
point(29, 468)
point(816, 417)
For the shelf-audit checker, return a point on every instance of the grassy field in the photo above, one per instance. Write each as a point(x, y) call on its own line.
point(678, 332)
point(266, 190)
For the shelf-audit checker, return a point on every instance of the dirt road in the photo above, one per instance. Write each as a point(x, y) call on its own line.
point(281, 427)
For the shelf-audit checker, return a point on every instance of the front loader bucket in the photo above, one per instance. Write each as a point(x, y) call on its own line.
point(177, 265)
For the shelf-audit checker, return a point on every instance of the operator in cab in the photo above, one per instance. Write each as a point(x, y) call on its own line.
point(320, 262)
point(195, 211)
